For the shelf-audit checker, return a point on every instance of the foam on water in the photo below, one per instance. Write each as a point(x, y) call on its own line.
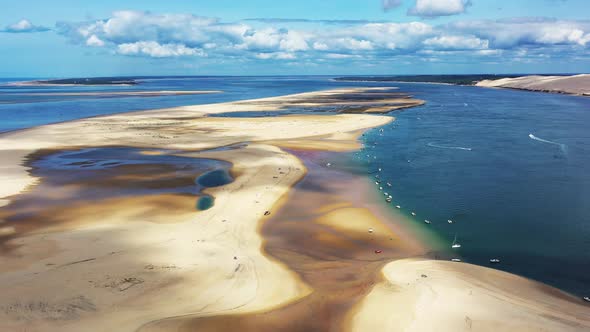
point(448, 147)
point(562, 147)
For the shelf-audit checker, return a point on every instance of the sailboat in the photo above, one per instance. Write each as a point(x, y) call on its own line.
point(455, 244)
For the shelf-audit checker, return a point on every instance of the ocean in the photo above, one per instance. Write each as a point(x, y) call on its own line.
point(509, 168)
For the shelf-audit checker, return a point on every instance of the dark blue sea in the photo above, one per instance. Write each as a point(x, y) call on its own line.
point(509, 168)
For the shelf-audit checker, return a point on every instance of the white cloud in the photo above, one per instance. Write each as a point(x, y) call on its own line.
point(276, 55)
point(176, 35)
point(435, 8)
point(24, 26)
point(94, 41)
point(156, 50)
point(510, 33)
point(456, 43)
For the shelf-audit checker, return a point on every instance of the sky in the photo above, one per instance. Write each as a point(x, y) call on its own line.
point(67, 38)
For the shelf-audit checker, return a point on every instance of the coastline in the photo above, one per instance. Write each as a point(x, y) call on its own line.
point(154, 271)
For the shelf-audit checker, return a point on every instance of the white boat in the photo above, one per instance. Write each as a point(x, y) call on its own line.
point(494, 261)
point(413, 213)
point(427, 221)
point(388, 184)
point(388, 199)
point(586, 298)
point(397, 206)
point(380, 188)
point(455, 260)
point(328, 164)
point(455, 244)
point(450, 221)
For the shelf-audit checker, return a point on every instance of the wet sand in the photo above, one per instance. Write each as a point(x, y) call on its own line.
point(332, 238)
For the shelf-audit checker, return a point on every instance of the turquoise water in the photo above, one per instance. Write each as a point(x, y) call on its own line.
point(510, 168)
point(205, 203)
point(215, 178)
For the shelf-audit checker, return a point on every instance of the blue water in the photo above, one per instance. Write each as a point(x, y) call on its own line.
point(466, 155)
point(19, 110)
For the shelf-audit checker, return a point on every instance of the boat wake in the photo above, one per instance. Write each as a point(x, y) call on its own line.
point(432, 145)
point(562, 147)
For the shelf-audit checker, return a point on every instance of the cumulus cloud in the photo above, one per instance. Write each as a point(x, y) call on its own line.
point(456, 43)
point(153, 49)
point(533, 32)
point(435, 8)
point(133, 33)
point(24, 26)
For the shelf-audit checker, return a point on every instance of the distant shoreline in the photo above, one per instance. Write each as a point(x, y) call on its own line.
point(578, 85)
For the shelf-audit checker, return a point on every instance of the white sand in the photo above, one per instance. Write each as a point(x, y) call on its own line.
point(423, 295)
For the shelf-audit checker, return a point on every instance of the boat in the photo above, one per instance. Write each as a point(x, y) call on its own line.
point(450, 221)
point(380, 188)
point(586, 298)
point(388, 184)
point(427, 221)
point(455, 260)
point(388, 199)
point(397, 206)
point(328, 164)
point(494, 261)
point(413, 213)
point(455, 245)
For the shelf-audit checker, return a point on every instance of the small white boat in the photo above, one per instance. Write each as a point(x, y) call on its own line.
point(455, 260)
point(397, 206)
point(388, 199)
point(455, 244)
point(494, 261)
point(413, 213)
point(427, 221)
point(380, 188)
point(328, 164)
point(450, 221)
point(388, 184)
point(586, 298)
point(379, 169)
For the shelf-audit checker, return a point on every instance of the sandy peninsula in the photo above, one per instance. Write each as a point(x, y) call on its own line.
point(575, 84)
point(284, 247)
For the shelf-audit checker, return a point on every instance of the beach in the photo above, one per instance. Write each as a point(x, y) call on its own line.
point(152, 262)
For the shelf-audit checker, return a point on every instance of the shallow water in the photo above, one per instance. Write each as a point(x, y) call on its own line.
point(90, 184)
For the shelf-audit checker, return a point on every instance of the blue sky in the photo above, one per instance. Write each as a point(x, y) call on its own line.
point(63, 38)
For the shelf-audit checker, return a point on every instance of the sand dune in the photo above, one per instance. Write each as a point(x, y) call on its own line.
point(576, 84)
point(422, 295)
